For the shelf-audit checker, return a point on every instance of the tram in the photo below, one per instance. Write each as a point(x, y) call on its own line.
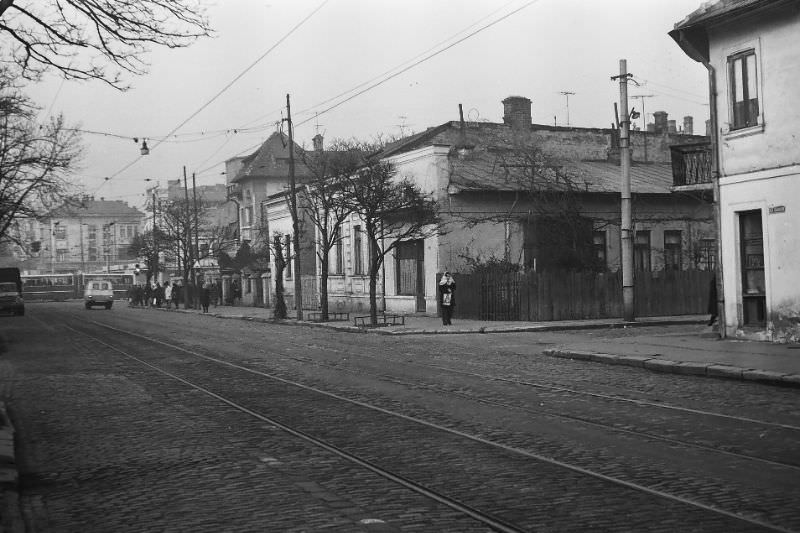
point(60, 287)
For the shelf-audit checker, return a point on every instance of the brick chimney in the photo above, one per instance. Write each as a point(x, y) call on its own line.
point(517, 112)
point(660, 118)
point(688, 125)
point(317, 140)
point(672, 126)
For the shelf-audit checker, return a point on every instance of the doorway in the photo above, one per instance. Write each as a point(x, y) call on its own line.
point(754, 300)
point(411, 271)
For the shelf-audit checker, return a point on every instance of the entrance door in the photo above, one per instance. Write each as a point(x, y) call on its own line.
point(754, 302)
point(411, 271)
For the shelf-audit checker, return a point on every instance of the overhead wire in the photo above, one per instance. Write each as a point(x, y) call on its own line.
point(223, 90)
point(391, 72)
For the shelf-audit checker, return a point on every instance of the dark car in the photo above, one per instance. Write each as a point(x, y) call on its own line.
point(11, 291)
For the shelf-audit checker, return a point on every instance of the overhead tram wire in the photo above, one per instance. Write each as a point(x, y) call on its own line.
point(412, 65)
point(222, 91)
point(419, 62)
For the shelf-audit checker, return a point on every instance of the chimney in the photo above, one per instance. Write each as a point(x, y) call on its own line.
point(660, 118)
point(688, 125)
point(708, 127)
point(672, 126)
point(317, 140)
point(517, 112)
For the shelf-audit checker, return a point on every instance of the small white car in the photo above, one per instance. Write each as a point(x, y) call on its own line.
point(98, 292)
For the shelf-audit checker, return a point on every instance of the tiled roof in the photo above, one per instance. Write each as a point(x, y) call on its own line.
point(98, 208)
point(271, 160)
point(487, 172)
point(716, 9)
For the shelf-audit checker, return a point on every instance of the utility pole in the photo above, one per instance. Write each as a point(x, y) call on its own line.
point(644, 120)
point(196, 234)
point(626, 214)
point(298, 283)
point(155, 238)
point(188, 235)
point(567, 93)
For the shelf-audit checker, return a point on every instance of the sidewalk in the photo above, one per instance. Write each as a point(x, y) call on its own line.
point(688, 352)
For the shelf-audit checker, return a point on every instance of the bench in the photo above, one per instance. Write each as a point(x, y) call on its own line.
point(333, 316)
point(383, 320)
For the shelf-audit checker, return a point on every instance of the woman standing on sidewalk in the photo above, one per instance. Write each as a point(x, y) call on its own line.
point(447, 298)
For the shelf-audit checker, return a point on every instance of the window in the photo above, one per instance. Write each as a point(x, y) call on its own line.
point(288, 246)
point(707, 254)
point(337, 265)
point(641, 251)
point(92, 253)
point(60, 231)
point(599, 244)
point(248, 216)
point(61, 255)
point(743, 89)
point(672, 250)
point(358, 254)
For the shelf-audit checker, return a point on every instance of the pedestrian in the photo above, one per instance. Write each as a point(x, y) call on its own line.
point(447, 298)
point(205, 296)
point(158, 294)
point(176, 294)
point(148, 295)
point(712, 300)
point(167, 294)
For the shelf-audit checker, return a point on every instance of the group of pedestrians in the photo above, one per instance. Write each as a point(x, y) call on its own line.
point(171, 294)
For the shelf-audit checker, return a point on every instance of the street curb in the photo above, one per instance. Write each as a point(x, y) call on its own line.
point(658, 364)
point(539, 328)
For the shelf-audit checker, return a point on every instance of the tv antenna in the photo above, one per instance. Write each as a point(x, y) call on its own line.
point(567, 95)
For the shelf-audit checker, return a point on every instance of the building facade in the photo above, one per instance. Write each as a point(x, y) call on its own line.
point(86, 236)
point(752, 52)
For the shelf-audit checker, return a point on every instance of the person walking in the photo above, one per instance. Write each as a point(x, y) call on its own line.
point(447, 298)
point(176, 294)
point(167, 294)
point(205, 296)
point(158, 294)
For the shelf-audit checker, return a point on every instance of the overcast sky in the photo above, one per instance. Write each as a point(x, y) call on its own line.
point(540, 51)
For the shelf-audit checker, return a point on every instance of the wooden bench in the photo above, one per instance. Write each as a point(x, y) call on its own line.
point(333, 316)
point(383, 320)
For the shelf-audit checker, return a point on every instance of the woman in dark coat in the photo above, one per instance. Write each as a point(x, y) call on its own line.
point(205, 296)
point(447, 298)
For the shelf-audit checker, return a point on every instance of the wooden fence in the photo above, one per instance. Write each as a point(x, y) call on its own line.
point(543, 296)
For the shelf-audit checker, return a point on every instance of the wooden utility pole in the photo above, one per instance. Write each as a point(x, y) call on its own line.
point(196, 231)
point(188, 241)
point(298, 283)
point(626, 212)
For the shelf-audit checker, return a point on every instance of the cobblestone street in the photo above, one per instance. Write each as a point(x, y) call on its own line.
point(138, 420)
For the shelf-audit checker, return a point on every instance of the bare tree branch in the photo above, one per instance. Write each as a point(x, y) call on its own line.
point(82, 38)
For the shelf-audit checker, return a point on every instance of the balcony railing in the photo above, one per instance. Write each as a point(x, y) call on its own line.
point(691, 164)
point(234, 192)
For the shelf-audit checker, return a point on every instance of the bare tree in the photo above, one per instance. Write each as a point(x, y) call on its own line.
point(393, 210)
point(323, 204)
point(279, 310)
point(547, 199)
point(146, 246)
point(35, 161)
point(82, 38)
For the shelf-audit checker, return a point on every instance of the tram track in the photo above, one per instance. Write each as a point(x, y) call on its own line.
point(527, 455)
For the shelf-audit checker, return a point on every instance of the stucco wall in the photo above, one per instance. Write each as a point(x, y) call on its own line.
point(774, 143)
point(766, 192)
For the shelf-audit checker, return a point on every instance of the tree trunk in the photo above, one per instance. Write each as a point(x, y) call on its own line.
point(323, 289)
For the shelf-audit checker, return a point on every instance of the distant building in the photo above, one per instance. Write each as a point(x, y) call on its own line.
point(85, 235)
point(752, 52)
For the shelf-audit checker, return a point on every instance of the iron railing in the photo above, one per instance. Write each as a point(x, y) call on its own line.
point(691, 164)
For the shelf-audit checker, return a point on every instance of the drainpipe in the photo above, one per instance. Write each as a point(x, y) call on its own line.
point(715, 173)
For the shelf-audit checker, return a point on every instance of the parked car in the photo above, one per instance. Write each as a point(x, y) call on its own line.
point(11, 291)
point(98, 292)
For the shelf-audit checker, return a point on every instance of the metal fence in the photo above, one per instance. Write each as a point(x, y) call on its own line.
point(544, 296)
